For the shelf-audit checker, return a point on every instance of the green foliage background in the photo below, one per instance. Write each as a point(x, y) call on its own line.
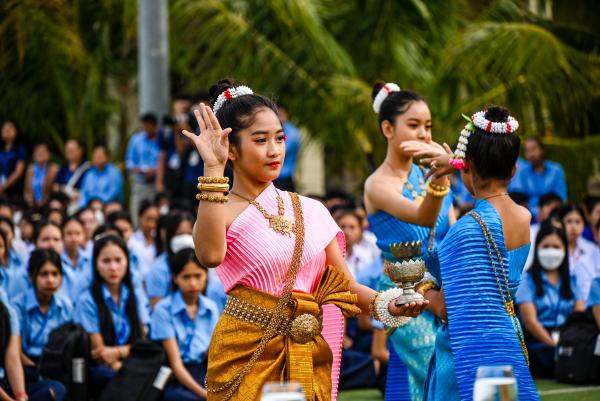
point(68, 67)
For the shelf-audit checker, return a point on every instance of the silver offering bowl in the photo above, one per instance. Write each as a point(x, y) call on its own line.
point(407, 272)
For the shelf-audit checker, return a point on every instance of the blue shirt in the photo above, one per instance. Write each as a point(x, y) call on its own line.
point(158, 280)
point(369, 275)
point(13, 278)
point(9, 160)
point(36, 325)
point(594, 297)
point(535, 185)
point(106, 185)
point(76, 278)
point(171, 320)
point(37, 181)
point(552, 309)
point(292, 148)
point(86, 312)
point(142, 153)
point(64, 174)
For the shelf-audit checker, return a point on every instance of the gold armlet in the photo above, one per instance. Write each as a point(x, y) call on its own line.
point(213, 180)
point(212, 198)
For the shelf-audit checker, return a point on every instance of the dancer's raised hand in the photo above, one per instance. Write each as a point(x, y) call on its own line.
point(213, 141)
point(420, 148)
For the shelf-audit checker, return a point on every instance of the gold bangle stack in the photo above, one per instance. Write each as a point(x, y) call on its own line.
point(436, 191)
point(372, 306)
point(213, 184)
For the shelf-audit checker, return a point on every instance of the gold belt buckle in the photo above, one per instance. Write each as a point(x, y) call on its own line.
point(304, 328)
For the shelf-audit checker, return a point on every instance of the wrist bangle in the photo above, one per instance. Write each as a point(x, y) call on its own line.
point(213, 187)
point(372, 305)
point(382, 312)
point(212, 198)
point(436, 193)
point(213, 180)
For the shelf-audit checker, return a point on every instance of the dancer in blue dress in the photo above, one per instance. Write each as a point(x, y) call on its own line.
point(403, 208)
point(479, 264)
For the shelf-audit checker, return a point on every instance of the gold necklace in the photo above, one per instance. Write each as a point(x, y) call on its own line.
point(417, 198)
point(277, 222)
point(494, 196)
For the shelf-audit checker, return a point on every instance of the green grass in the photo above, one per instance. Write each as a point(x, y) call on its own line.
point(549, 391)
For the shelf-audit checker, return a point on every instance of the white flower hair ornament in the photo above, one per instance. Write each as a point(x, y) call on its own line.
point(383, 93)
point(478, 120)
point(230, 94)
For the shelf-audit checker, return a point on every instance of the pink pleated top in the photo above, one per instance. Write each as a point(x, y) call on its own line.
point(259, 258)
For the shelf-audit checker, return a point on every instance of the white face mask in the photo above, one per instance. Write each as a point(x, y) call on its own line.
point(181, 241)
point(163, 210)
point(551, 258)
point(99, 216)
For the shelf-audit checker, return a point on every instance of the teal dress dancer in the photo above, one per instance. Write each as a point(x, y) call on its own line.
point(414, 342)
point(479, 331)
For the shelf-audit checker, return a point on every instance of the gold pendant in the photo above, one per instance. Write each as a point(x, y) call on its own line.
point(281, 224)
point(510, 309)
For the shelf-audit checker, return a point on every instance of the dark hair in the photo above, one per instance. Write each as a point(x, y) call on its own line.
point(4, 219)
point(563, 270)
point(120, 215)
point(519, 198)
point(548, 198)
point(343, 212)
point(38, 258)
point(48, 212)
point(149, 118)
point(395, 104)
point(144, 206)
point(107, 328)
point(590, 203)
point(5, 202)
point(172, 223)
point(37, 230)
point(6, 250)
point(238, 113)
point(101, 145)
point(62, 197)
point(563, 211)
point(103, 228)
point(178, 262)
point(493, 156)
point(73, 218)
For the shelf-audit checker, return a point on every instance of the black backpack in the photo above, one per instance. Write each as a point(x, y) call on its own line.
point(575, 359)
point(66, 358)
point(142, 376)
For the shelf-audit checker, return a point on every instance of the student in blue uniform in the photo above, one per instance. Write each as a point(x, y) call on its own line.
point(41, 309)
point(12, 378)
point(179, 225)
point(178, 235)
point(546, 296)
point(77, 263)
point(111, 310)
point(184, 321)
point(48, 235)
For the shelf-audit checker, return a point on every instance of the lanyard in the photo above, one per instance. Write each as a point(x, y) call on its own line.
point(33, 341)
point(189, 335)
point(121, 331)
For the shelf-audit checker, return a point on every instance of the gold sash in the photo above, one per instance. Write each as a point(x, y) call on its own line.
point(236, 338)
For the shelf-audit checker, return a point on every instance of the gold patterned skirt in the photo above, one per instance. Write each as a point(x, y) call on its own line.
point(296, 352)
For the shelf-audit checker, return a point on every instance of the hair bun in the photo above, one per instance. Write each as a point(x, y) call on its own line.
point(376, 88)
point(497, 114)
point(219, 88)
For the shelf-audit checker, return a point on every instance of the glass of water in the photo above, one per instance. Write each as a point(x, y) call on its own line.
point(286, 391)
point(495, 383)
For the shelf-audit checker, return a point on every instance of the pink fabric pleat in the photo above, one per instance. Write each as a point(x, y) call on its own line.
point(333, 332)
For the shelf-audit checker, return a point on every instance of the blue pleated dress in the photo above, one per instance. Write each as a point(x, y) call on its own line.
point(479, 331)
point(413, 343)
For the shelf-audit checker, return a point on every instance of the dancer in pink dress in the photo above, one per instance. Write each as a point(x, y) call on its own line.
point(280, 257)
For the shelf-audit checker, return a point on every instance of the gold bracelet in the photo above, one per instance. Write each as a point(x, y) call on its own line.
point(202, 187)
point(438, 187)
point(213, 180)
point(436, 193)
point(212, 198)
point(428, 285)
point(372, 304)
